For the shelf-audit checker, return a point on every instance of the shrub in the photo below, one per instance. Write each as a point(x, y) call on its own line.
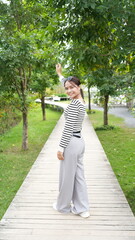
point(105, 127)
point(9, 115)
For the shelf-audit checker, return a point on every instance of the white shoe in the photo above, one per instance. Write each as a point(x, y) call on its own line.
point(84, 214)
point(55, 206)
point(73, 212)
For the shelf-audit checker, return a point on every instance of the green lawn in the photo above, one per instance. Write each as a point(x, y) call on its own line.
point(15, 163)
point(119, 145)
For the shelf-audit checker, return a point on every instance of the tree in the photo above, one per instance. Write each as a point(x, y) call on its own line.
point(16, 61)
point(108, 84)
point(19, 24)
point(94, 31)
point(41, 81)
point(44, 75)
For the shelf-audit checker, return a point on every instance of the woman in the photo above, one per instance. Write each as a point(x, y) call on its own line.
point(73, 195)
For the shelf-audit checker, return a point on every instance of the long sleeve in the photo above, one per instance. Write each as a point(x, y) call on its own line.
point(62, 79)
point(71, 120)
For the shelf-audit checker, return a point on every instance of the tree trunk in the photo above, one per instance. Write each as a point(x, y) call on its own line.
point(106, 99)
point(89, 100)
point(25, 130)
point(24, 109)
point(43, 107)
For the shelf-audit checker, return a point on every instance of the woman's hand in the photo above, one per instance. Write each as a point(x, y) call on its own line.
point(59, 69)
point(60, 155)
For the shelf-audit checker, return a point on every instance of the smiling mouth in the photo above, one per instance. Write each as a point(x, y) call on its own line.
point(70, 95)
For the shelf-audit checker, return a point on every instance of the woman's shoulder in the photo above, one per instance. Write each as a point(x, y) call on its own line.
point(74, 103)
point(77, 102)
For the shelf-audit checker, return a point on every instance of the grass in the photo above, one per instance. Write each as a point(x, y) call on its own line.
point(15, 163)
point(119, 145)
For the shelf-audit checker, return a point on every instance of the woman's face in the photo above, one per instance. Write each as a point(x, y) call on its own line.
point(72, 90)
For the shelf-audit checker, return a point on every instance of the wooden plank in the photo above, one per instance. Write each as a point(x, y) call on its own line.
point(76, 227)
point(46, 237)
point(68, 217)
point(42, 204)
point(88, 221)
point(73, 233)
point(45, 209)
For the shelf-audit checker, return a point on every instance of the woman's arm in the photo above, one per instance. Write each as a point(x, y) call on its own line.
point(71, 120)
point(59, 72)
point(59, 69)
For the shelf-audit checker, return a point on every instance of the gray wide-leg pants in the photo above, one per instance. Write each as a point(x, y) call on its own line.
point(72, 185)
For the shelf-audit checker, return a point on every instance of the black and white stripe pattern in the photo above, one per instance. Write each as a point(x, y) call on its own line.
point(74, 115)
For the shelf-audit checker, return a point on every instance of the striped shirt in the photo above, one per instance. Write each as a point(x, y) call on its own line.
point(74, 115)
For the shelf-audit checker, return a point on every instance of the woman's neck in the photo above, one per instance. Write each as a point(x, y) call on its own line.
point(80, 98)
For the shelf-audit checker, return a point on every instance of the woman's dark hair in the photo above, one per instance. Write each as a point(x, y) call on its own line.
point(76, 81)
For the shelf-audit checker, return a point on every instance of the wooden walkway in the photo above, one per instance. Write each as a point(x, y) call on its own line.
point(31, 216)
